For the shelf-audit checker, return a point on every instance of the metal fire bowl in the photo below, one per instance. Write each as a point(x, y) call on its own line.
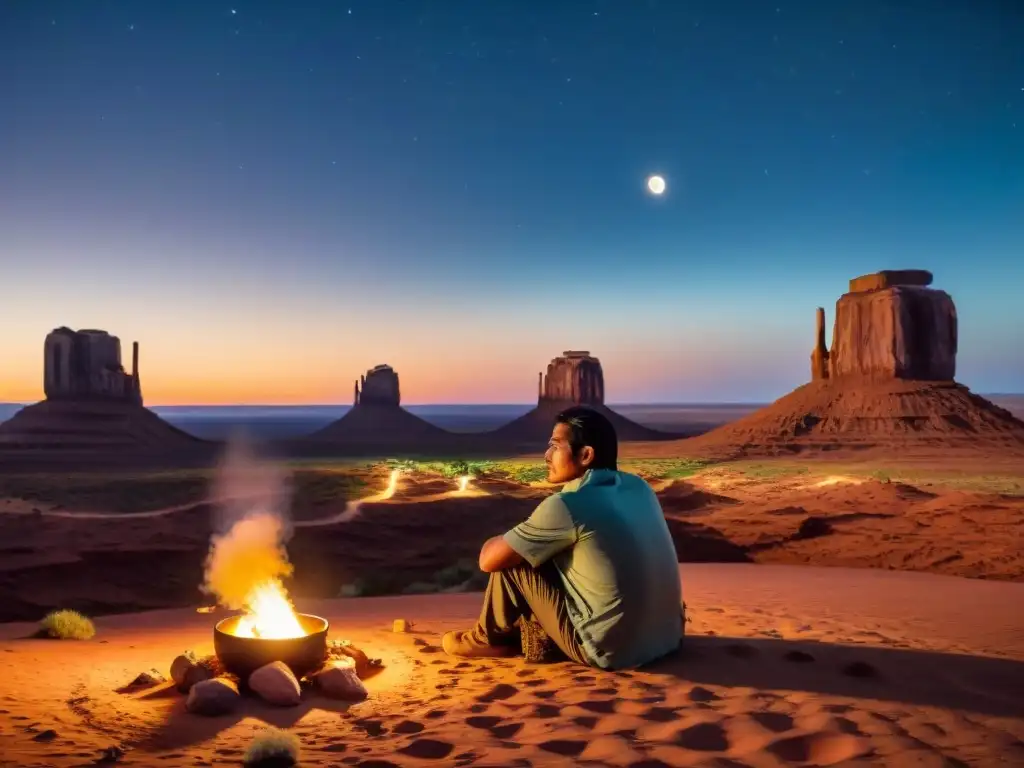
point(244, 655)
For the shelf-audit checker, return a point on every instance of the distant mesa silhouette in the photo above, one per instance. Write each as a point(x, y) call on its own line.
point(573, 378)
point(93, 407)
point(377, 423)
point(888, 380)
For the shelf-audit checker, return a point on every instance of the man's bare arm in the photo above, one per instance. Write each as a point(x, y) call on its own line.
point(497, 555)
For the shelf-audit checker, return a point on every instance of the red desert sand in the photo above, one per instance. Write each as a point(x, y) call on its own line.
point(782, 666)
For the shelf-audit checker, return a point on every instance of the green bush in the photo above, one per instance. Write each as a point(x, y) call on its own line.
point(272, 748)
point(67, 625)
point(456, 468)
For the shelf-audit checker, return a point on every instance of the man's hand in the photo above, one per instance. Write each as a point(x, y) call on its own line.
point(497, 555)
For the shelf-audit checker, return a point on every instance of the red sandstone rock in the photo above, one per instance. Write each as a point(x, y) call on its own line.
point(87, 365)
point(819, 355)
point(575, 377)
point(889, 278)
point(903, 332)
point(378, 386)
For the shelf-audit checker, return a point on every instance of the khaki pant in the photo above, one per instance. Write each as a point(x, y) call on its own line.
point(533, 594)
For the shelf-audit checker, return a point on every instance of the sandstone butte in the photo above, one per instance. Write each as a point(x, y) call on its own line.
point(93, 408)
point(377, 423)
point(574, 378)
point(887, 382)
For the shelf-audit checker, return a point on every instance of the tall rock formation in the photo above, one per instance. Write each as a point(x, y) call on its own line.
point(819, 356)
point(575, 377)
point(86, 365)
point(887, 384)
point(93, 413)
point(378, 386)
point(378, 425)
point(891, 325)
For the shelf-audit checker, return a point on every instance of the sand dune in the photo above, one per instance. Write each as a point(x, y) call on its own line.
point(783, 666)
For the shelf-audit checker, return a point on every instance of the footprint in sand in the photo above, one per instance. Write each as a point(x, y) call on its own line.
point(704, 737)
point(699, 694)
point(659, 715)
point(500, 692)
point(600, 706)
point(564, 747)
point(407, 727)
point(372, 727)
point(776, 722)
point(819, 748)
point(506, 731)
point(428, 749)
point(482, 721)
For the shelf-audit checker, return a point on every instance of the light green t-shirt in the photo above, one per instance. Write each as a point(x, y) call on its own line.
point(606, 535)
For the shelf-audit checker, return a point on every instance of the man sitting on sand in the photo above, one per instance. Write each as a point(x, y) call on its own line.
point(594, 565)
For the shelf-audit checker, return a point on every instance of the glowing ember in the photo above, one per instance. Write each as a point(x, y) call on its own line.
point(463, 483)
point(269, 614)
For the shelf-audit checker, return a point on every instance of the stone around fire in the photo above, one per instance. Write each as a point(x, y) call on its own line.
point(276, 684)
point(212, 697)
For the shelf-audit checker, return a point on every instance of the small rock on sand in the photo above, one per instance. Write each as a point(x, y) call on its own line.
point(186, 671)
point(338, 680)
point(218, 696)
point(146, 679)
point(276, 684)
point(340, 650)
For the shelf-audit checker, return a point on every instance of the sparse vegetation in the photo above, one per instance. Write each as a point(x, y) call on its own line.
point(272, 748)
point(664, 469)
point(67, 625)
point(773, 471)
point(125, 493)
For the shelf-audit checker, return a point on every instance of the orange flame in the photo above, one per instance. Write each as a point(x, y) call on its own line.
point(269, 614)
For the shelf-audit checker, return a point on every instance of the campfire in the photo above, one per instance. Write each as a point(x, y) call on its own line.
point(270, 630)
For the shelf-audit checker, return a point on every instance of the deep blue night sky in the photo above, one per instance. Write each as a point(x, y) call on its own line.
point(275, 196)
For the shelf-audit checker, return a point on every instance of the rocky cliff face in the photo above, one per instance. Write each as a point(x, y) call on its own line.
point(86, 365)
point(378, 386)
point(575, 377)
point(892, 326)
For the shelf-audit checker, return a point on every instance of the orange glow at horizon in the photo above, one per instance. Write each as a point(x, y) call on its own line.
point(182, 365)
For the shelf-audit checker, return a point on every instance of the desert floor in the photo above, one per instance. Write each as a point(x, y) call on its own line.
point(765, 679)
point(782, 666)
point(82, 541)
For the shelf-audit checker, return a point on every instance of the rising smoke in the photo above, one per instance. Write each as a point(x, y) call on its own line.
point(251, 526)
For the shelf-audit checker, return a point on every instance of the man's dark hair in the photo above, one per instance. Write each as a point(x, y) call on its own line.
point(590, 427)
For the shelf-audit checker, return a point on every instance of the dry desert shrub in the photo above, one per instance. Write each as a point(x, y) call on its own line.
point(67, 625)
point(272, 748)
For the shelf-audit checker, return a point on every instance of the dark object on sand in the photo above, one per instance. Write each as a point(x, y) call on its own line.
point(860, 669)
point(538, 647)
point(242, 656)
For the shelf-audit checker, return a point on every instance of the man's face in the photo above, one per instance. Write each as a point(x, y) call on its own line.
point(563, 467)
